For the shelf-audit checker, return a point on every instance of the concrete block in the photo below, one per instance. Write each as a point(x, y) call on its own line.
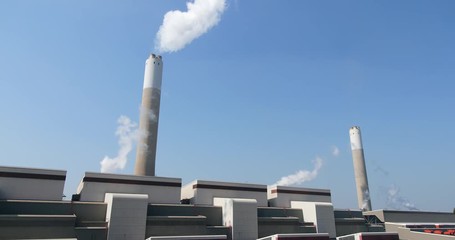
point(241, 216)
point(94, 186)
point(126, 216)
point(371, 236)
point(31, 184)
point(203, 192)
point(321, 214)
point(281, 196)
point(298, 236)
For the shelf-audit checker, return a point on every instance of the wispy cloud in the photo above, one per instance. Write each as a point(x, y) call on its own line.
point(181, 28)
point(301, 176)
point(335, 151)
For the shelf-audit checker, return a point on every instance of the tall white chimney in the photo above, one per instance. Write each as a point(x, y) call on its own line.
point(360, 171)
point(150, 112)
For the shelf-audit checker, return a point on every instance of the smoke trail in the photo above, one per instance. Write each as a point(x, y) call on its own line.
point(181, 28)
point(149, 113)
point(378, 168)
point(127, 133)
point(302, 175)
point(366, 199)
point(141, 133)
point(396, 201)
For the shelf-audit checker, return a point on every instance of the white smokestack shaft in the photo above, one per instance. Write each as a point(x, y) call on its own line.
point(150, 111)
point(360, 171)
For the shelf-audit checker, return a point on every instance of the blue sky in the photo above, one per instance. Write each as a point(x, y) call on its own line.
point(273, 86)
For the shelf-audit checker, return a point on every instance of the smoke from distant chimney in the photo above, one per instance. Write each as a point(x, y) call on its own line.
point(127, 132)
point(302, 175)
point(181, 28)
point(396, 201)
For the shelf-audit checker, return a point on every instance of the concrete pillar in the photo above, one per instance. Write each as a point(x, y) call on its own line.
point(241, 215)
point(126, 215)
point(320, 213)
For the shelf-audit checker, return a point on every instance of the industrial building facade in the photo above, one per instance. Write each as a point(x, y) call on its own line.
point(144, 206)
point(114, 206)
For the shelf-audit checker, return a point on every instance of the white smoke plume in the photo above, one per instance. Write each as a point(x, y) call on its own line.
point(396, 201)
point(141, 133)
point(366, 200)
point(302, 175)
point(127, 132)
point(149, 113)
point(335, 151)
point(181, 28)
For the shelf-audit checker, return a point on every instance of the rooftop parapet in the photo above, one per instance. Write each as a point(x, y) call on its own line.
point(202, 192)
point(31, 184)
point(94, 186)
point(281, 196)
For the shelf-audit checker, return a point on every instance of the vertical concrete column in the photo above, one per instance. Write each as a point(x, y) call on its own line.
point(320, 213)
point(360, 171)
point(241, 215)
point(126, 216)
point(150, 113)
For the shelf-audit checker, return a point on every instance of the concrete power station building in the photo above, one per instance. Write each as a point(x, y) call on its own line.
point(144, 206)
